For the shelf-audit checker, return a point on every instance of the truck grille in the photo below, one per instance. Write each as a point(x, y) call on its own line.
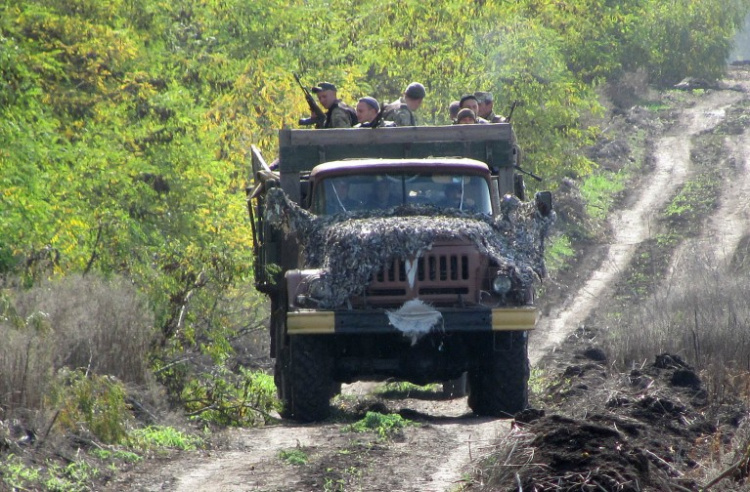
point(448, 277)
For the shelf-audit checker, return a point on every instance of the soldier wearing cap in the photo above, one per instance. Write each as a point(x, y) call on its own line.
point(401, 112)
point(465, 117)
point(338, 114)
point(368, 109)
point(453, 109)
point(469, 101)
point(485, 107)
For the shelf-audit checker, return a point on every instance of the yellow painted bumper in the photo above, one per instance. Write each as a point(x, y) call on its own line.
point(310, 322)
point(454, 320)
point(514, 318)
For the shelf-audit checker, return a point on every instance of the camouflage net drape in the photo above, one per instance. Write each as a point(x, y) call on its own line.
point(352, 247)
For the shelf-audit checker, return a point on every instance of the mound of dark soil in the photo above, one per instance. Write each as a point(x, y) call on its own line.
point(627, 432)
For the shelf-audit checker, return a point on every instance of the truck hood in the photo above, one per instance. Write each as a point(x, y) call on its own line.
point(352, 247)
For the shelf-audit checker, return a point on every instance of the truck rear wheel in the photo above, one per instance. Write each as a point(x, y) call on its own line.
point(306, 380)
point(498, 384)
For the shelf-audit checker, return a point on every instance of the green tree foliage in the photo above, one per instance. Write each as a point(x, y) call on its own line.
point(683, 38)
point(125, 124)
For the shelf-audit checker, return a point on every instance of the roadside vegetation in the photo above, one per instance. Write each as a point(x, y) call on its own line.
point(126, 299)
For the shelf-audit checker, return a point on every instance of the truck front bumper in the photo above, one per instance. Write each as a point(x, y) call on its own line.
point(310, 322)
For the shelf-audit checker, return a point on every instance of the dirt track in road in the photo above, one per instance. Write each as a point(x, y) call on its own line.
point(633, 224)
point(435, 455)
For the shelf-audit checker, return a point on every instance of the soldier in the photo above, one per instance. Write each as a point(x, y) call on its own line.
point(453, 110)
point(401, 112)
point(338, 114)
point(368, 109)
point(466, 117)
point(485, 107)
point(469, 101)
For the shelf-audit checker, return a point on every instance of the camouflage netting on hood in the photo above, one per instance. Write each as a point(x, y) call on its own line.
point(354, 246)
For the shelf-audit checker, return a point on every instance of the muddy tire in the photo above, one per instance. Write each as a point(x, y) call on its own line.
point(456, 388)
point(499, 382)
point(304, 379)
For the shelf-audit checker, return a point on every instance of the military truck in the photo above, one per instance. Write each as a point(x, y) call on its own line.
point(404, 253)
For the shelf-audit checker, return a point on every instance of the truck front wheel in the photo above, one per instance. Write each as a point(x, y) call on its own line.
point(306, 380)
point(498, 382)
point(456, 388)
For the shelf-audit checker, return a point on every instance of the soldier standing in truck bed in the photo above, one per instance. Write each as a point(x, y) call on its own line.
point(338, 114)
point(470, 101)
point(401, 112)
point(485, 107)
point(368, 110)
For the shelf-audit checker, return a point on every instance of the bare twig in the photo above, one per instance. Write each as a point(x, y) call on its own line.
point(729, 471)
point(49, 428)
point(663, 463)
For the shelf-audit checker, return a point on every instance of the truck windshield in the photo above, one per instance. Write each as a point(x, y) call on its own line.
point(353, 193)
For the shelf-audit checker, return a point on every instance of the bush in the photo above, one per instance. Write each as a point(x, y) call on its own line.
point(91, 404)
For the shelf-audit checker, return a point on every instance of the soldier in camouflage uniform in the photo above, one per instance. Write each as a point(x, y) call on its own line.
point(465, 117)
point(368, 109)
point(453, 109)
point(485, 107)
point(338, 114)
point(469, 101)
point(401, 112)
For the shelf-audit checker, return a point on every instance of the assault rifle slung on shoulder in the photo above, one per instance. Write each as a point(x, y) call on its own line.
point(317, 117)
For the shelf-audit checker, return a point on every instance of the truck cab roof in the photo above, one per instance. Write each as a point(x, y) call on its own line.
point(447, 165)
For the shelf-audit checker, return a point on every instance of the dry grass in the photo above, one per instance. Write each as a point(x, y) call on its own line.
point(99, 326)
point(700, 311)
point(503, 462)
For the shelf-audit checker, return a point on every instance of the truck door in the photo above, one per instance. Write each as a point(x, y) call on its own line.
point(266, 240)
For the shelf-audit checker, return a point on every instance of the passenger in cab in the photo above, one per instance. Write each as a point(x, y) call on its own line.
point(384, 196)
point(339, 199)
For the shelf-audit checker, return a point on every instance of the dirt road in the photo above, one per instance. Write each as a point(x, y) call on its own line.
point(435, 455)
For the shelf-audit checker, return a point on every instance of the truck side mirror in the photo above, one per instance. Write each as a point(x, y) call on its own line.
point(543, 201)
point(519, 187)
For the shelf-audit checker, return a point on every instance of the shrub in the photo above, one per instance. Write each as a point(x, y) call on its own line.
point(91, 403)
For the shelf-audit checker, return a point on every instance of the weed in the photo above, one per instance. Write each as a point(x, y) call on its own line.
point(383, 425)
point(293, 456)
point(119, 455)
point(558, 253)
point(75, 477)
point(656, 106)
point(228, 398)
point(163, 437)
point(405, 389)
point(599, 191)
point(538, 382)
point(16, 474)
point(347, 480)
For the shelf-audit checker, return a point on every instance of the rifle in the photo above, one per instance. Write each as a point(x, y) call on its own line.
point(319, 119)
point(378, 118)
point(510, 113)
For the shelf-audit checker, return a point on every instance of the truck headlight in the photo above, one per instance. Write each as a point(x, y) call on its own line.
point(307, 288)
point(501, 284)
point(318, 288)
